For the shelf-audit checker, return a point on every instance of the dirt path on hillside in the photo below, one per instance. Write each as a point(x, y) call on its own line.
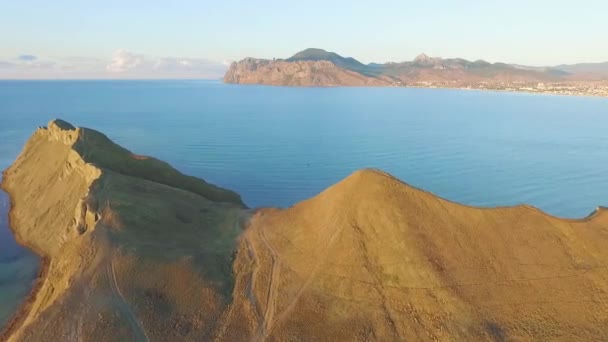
point(123, 306)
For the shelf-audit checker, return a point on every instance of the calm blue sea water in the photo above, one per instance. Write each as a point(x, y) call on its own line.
point(277, 146)
point(18, 267)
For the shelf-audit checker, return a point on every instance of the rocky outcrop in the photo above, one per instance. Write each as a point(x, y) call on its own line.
point(146, 253)
point(297, 73)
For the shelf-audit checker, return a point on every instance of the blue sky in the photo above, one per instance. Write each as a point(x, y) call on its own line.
point(136, 38)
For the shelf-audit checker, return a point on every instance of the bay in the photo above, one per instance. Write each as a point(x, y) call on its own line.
point(279, 145)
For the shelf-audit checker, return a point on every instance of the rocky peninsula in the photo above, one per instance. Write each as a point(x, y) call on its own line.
point(134, 250)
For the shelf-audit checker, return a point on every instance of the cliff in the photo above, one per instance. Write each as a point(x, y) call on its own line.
point(297, 73)
point(145, 253)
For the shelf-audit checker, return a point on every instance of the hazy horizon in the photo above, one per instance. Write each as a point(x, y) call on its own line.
point(67, 39)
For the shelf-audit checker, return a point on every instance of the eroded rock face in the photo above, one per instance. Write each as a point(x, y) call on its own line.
point(134, 250)
point(300, 73)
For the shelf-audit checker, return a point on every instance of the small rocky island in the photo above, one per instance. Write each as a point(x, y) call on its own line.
point(134, 250)
point(317, 67)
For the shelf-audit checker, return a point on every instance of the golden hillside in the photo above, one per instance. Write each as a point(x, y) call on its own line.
point(372, 258)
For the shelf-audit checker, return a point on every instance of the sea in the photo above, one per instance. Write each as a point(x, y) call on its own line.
point(279, 145)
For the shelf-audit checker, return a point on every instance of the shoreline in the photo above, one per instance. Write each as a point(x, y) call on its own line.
point(604, 96)
point(515, 91)
point(20, 315)
point(309, 86)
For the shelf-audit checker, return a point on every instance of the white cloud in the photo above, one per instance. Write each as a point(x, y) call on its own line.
point(178, 64)
point(40, 64)
point(6, 65)
point(123, 64)
point(123, 60)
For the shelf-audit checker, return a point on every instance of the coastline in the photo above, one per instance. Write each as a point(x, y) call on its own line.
point(20, 315)
point(514, 91)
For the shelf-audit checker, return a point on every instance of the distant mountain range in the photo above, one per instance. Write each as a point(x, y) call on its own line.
point(317, 67)
point(590, 70)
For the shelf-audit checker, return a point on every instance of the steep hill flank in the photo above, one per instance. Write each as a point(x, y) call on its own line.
point(347, 63)
point(372, 258)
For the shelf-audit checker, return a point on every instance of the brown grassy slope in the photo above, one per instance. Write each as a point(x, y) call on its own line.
point(372, 258)
point(97, 149)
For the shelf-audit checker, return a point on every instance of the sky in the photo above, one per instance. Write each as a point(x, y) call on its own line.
point(198, 39)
